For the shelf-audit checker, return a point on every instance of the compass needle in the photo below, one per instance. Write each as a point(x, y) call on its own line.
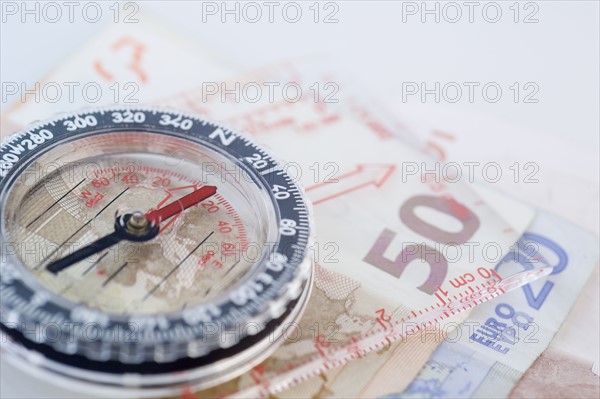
point(132, 227)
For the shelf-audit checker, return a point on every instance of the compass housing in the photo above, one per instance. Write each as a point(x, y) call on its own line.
point(153, 353)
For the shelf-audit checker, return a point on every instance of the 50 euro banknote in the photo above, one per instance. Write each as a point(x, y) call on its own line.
point(556, 180)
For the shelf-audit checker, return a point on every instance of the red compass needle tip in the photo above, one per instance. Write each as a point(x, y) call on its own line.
point(175, 207)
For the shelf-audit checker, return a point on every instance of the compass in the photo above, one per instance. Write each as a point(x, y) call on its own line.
point(146, 251)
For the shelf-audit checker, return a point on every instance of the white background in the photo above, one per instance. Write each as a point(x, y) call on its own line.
point(559, 53)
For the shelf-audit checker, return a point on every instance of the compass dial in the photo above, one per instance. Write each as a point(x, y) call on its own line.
point(157, 224)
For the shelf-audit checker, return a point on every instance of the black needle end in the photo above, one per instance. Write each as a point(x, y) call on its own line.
point(85, 252)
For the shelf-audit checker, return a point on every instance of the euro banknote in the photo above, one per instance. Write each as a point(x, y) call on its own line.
point(535, 171)
point(558, 374)
point(502, 338)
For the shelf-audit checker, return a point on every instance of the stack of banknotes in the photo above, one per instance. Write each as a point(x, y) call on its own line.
point(386, 191)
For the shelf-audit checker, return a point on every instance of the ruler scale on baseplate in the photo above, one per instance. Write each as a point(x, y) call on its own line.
point(395, 330)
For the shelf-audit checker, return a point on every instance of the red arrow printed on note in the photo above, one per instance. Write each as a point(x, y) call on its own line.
point(363, 176)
